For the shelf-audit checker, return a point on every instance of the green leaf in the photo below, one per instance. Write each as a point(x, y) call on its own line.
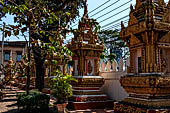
point(50, 38)
point(16, 32)
point(15, 19)
point(9, 33)
point(1, 1)
point(68, 14)
point(23, 29)
point(6, 34)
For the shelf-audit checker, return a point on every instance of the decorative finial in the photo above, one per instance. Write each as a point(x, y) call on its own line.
point(169, 3)
point(160, 2)
point(85, 9)
point(131, 8)
point(122, 25)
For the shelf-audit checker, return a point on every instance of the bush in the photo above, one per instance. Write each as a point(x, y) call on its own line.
point(34, 102)
point(62, 88)
point(1, 95)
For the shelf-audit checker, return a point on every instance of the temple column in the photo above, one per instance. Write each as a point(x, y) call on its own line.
point(143, 60)
point(131, 61)
point(97, 66)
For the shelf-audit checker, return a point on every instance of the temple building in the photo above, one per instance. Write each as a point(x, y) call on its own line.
point(148, 38)
point(86, 56)
point(13, 49)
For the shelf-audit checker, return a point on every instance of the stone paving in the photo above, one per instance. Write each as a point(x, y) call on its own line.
point(92, 111)
point(8, 103)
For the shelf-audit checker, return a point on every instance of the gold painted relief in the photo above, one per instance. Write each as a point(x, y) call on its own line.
point(132, 20)
point(166, 38)
point(138, 4)
point(134, 40)
point(89, 68)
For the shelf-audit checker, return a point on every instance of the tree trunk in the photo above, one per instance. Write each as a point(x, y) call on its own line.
point(39, 61)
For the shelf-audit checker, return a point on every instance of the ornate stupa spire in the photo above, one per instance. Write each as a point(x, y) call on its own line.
point(84, 22)
point(85, 15)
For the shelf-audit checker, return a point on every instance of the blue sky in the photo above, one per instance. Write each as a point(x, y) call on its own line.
point(93, 4)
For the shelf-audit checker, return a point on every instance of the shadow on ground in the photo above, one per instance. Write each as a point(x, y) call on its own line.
point(8, 100)
point(12, 111)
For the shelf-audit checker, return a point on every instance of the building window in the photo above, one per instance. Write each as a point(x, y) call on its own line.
point(19, 56)
point(6, 56)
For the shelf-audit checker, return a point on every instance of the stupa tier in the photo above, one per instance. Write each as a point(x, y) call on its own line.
point(148, 38)
point(86, 56)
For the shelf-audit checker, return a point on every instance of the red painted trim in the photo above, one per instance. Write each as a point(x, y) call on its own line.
point(85, 73)
point(95, 70)
point(86, 88)
point(75, 58)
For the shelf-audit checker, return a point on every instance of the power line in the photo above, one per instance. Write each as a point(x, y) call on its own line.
point(115, 21)
point(117, 24)
point(99, 6)
point(114, 9)
point(106, 8)
point(114, 15)
point(94, 10)
point(116, 27)
point(110, 11)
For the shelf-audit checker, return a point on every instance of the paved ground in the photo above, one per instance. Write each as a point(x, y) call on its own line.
point(92, 111)
point(8, 104)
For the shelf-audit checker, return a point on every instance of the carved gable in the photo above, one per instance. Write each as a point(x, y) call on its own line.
point(161, 2)
point(166, 38)
point(134, 40)
point(132, 20)
point(138, 4)
point(166, 17)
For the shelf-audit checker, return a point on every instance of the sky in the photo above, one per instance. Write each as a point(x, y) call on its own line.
point(118, 10)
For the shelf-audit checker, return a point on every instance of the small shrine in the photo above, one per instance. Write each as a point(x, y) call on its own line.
point(86, 56)
point(22, 71)
point(9, 72)
point(148, 38)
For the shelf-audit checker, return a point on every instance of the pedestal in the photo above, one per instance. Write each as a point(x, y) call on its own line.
point(87, 94)
point(148, 93)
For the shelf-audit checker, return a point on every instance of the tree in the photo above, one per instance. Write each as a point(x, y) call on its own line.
point(115, 47)
point(46, 20)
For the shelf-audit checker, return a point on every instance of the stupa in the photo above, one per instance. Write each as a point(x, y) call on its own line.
point(148, 38)
point(86, 56)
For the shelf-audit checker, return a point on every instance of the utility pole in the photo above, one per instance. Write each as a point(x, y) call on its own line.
point(2, 49)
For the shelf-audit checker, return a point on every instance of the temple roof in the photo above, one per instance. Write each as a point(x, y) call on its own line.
point(85, 15)
point(156, 11)
point(86, 36)
point(147, 15)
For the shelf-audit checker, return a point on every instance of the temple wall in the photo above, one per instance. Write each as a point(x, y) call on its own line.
point(112, 86)
point(13, 53)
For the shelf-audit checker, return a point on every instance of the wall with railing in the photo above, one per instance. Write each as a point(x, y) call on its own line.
point(112, 73)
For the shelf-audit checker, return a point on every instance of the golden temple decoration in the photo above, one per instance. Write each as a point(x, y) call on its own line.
point(134, 40)
point(86, 57)
point(138, 4)
point(89, 67)
point(166, 38)
point(132, 19)
point(148, 38)
point(85, 46)
point(161, 2)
